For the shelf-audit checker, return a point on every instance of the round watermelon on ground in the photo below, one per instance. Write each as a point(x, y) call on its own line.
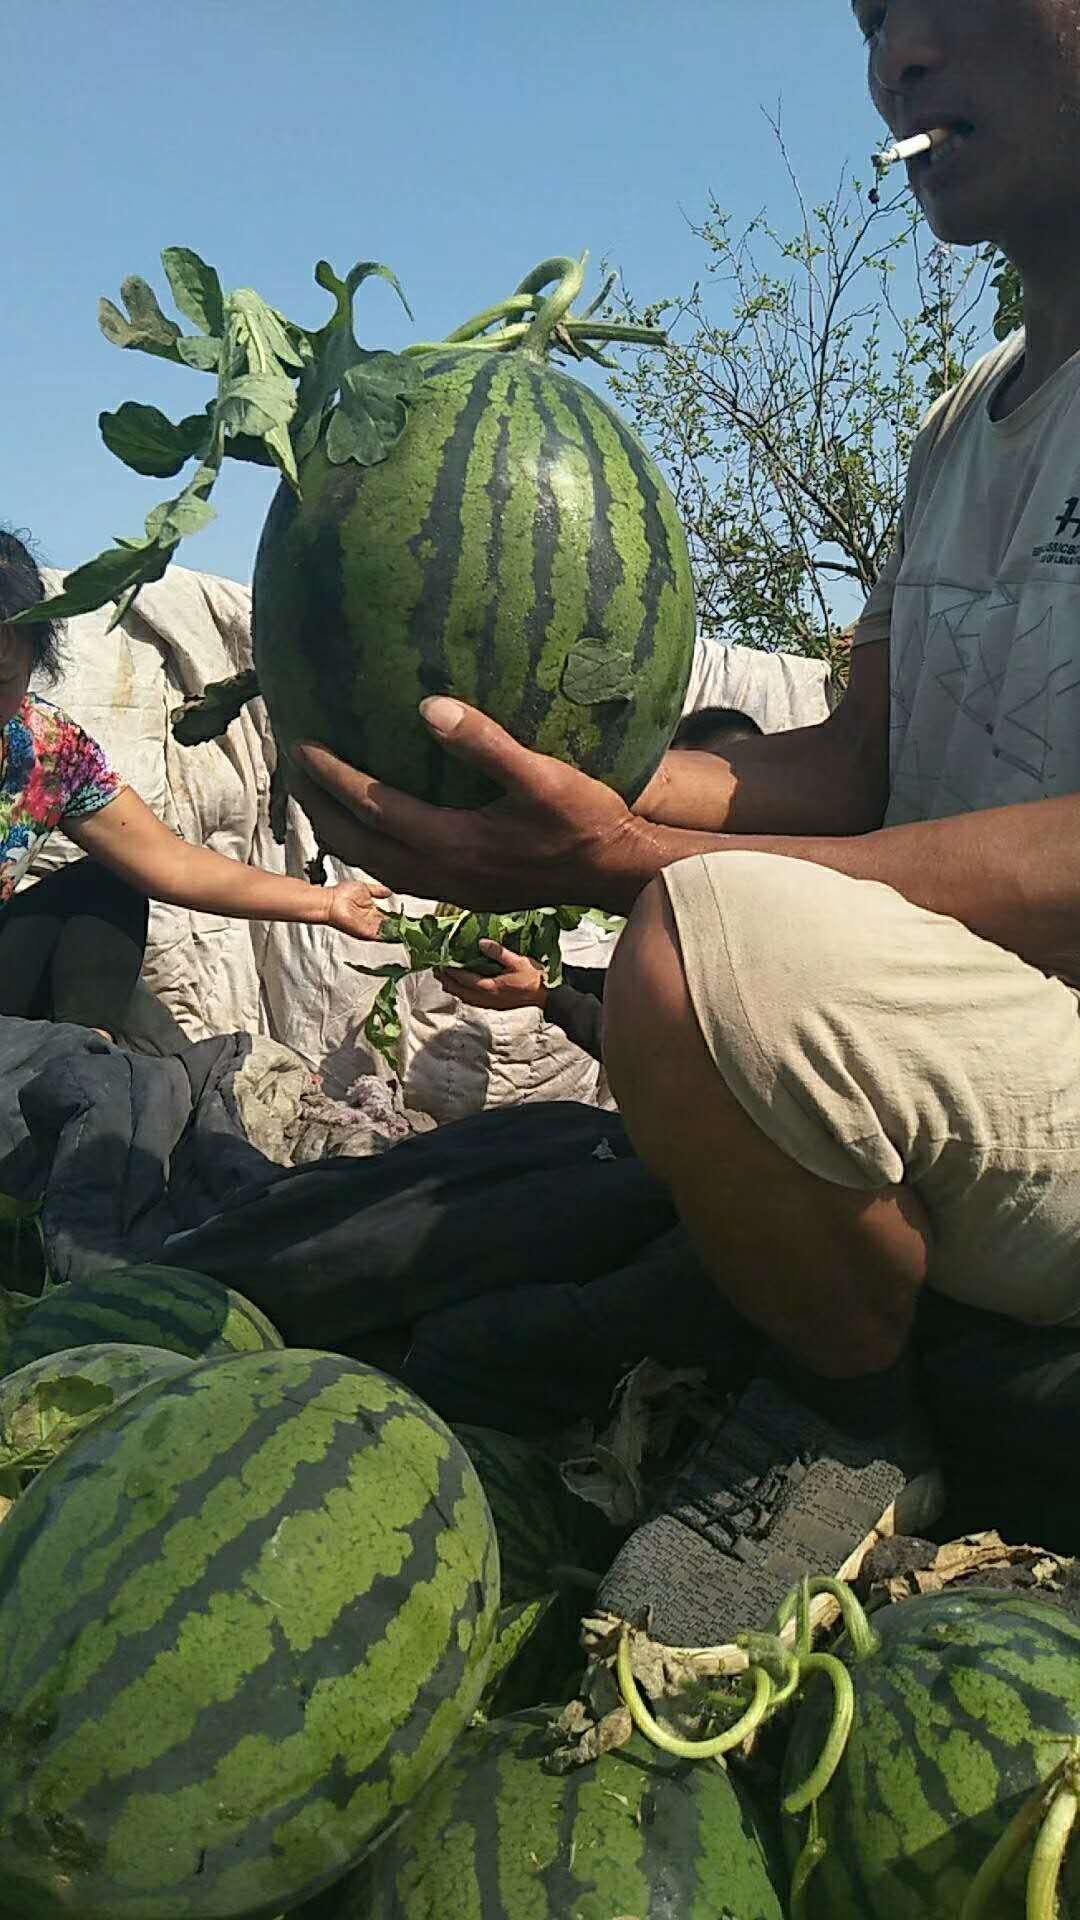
point(968, 1704)
point(145, 1306)
point(499, 1837)
point(242, 1621)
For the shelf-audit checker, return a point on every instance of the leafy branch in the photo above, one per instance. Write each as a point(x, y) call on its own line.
point(799, 369)
point(282, 388)
point(276, 383)
point(451, 938)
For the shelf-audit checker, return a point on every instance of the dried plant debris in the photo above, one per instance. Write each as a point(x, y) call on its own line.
point(619, 1469)
point(899, 1569)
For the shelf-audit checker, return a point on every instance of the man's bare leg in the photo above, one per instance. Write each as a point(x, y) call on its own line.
point(831, 1273)
point(813, 1456)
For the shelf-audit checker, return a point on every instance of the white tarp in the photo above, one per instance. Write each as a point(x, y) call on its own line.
point(293, 984)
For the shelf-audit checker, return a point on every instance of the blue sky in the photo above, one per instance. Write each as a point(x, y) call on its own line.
point(459, 142)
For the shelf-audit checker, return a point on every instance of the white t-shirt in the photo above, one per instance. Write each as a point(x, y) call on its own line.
point(980, 602)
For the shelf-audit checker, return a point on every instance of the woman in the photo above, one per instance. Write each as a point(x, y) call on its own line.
point(71, 947)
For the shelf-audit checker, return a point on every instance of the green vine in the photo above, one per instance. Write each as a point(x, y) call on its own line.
point(711, 1749)
point(1046, 1822)
point(861, 1636)
point(1049, 1819)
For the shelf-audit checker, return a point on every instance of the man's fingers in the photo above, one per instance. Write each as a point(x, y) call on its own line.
point(468, 987)
point(358, 846)
point(470, 735)
point(369, 801)
point(332, 822)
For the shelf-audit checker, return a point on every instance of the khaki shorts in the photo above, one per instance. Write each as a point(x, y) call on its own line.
point(876, 1043)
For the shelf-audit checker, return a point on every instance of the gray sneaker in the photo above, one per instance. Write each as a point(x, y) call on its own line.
point(774, 1494)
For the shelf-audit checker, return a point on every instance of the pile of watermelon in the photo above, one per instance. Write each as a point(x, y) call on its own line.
point(275, 1640)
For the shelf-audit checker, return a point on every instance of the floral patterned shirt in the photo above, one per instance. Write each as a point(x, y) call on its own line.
point(50, 772)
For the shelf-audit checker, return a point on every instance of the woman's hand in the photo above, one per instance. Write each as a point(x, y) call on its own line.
point(126, 837)
point(352, 909)
point(520, 984)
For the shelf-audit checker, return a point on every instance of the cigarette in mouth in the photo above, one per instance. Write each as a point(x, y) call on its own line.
point(909, 149)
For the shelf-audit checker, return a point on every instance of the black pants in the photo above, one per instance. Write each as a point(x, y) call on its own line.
point(71, 948)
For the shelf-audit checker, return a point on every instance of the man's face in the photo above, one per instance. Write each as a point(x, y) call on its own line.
point(1005, 74)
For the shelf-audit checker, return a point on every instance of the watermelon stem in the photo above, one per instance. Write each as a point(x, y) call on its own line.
point(806, 1866)
point(780, 1663)
point(672, 1743)
point(836, 1741)
point(569, 278)
point(1044, 1874)
point(532, 324)
point(864, 1641)
point(518, 304)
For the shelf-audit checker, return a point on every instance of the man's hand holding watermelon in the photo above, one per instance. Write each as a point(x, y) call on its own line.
point(556, 836)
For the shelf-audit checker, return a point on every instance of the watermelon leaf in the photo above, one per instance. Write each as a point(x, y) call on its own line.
point(597, 670)
point(146, 328)
point(345, 290)
point(167, 524)
point(255, 403)
point(372, 413)
point(195, 350)
point(372, 410)
point(150, 443)
point(69, 1398)
point(107, 577)
point(46, 1422)
point(451, 938)
point(196, 289)
point(211, 713)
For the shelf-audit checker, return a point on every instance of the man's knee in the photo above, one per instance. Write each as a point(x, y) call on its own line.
point(723, 989)
point(652, 1041)
point(646, 984)
point(671, 971)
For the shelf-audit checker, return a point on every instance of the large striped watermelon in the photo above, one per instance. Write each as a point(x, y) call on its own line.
point(242, 1620)
point(44, 1406)
point(636, 1836)
point(145, 1306)
point(461, 518)
point(517, 547)
point(965, 1709)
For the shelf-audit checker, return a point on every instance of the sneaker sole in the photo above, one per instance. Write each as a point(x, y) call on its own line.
point(921, 1503)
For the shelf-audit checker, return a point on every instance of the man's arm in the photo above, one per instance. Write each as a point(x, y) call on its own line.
point(1011, 874)
point(558, 838)
point(579, 1016)
point(832, 778)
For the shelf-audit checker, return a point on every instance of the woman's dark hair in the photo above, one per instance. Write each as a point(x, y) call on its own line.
point(22, 586)
point(710, 726)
